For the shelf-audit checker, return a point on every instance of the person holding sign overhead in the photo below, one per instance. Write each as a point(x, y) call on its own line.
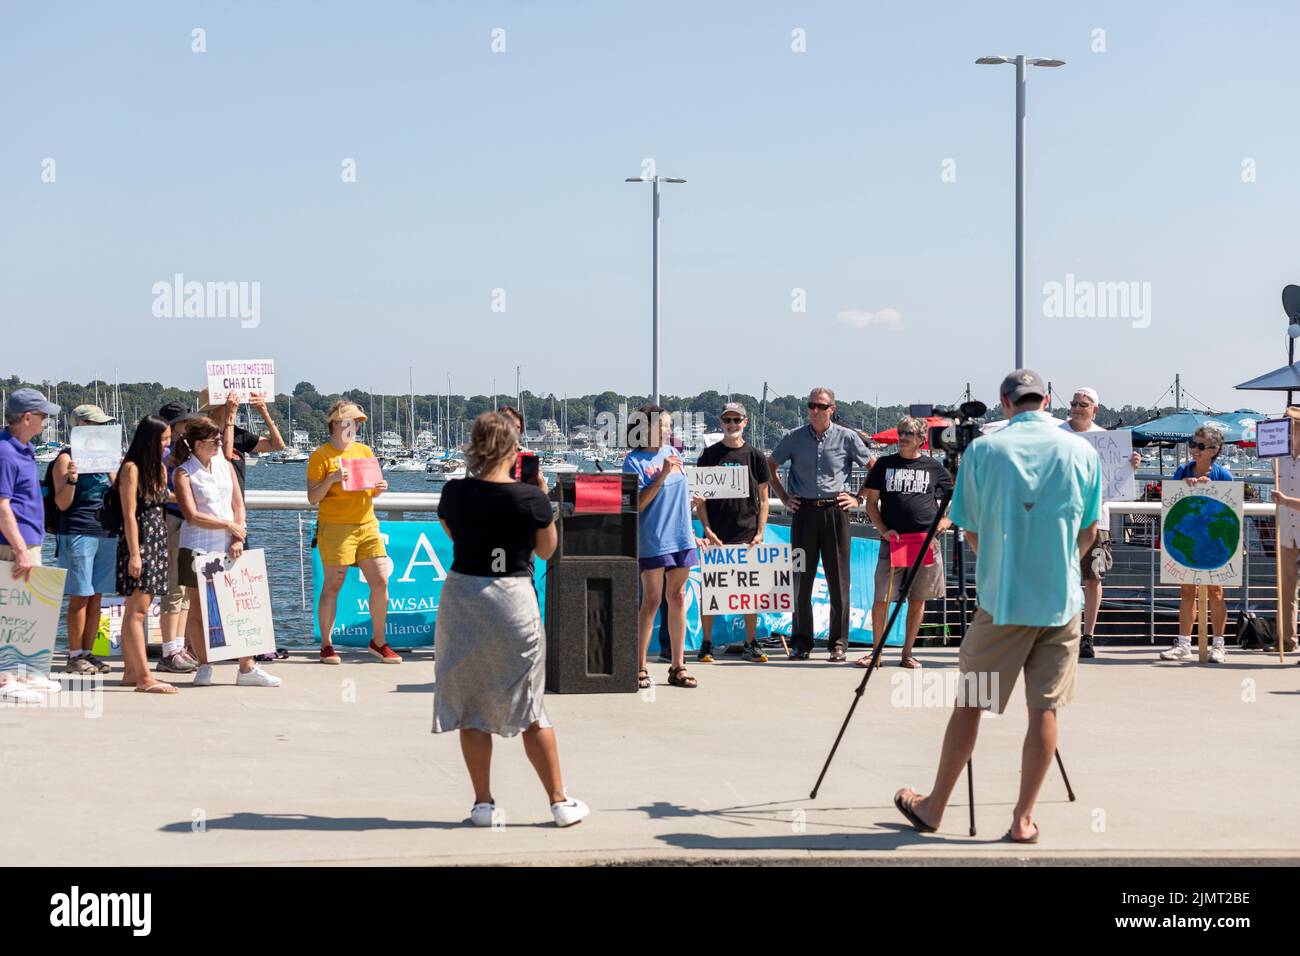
point(667, 546)
point(903, 492)
point(735, 520)
point(238, 442)
point(85, 549)
point(821, 456)
point(347, 531)
point(1205, 447)
point(1083, 415)
point(213, 512)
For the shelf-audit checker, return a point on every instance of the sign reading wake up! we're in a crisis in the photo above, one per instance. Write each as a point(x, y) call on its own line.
point(738, 579)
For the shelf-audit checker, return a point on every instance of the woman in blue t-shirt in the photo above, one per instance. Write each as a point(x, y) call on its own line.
point(1206, 445)
point(667, 543)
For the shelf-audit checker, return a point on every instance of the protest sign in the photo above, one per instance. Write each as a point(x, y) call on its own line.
point(904, 548)
point(29, 618)
point(245, 377)
point(1273, 438)
point(1201, 532)
point(719, 481)
point(359, 474)
point(597, 494)
point(96, 449)
point(1116, 451)
point(738, 579)
point(235, 599)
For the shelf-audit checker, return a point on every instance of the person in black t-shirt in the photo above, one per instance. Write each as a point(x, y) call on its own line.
point(238, 443)
point(903, 492)
point(735, 520)
point(490, 648)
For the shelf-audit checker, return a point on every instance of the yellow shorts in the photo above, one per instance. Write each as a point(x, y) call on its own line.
point(343, 545)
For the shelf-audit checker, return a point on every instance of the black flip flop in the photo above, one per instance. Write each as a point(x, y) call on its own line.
point(1010, 839)
point(905, 808)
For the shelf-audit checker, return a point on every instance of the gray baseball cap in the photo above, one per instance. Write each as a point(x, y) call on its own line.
point(23, 400)
point(736, 407)
point(1022, 383)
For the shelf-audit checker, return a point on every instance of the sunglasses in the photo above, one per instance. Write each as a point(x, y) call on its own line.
point(732, 421)
point(817, 406)
point(1201, 446)
point(1081, 404)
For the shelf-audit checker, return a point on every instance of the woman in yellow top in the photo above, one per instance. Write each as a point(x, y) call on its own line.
point(347, 531)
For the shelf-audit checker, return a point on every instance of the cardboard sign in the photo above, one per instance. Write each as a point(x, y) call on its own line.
point(235, 598)
point(1117, 475)
point(29, 618)
point(244, 377)
point(360, 474)
point(597, 494)
point(904, 549)
point(719, 481)
point(737, 579)
point(96, 449)
point(1201, 532)
point(1273, 438)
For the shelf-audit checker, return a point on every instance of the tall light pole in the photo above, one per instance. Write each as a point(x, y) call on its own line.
point(654, 280)
point(1020, 61)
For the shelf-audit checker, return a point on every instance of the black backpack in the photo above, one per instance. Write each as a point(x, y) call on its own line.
point(110, 511)
point(47, 496)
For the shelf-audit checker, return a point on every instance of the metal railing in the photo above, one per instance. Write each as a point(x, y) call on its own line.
point(1136, 607)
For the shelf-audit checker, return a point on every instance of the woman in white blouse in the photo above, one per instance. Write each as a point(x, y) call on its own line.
point(213, 512)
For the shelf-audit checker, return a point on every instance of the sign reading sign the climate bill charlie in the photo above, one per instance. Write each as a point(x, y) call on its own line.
point(738, 579)
point(1201, 532)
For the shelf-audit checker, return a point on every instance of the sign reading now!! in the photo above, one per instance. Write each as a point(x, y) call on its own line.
point(738, 579)
point(718, 481)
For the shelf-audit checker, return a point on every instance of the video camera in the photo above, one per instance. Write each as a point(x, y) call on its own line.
point(952, 439)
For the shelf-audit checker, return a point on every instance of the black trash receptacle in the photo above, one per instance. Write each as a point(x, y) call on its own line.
point(592, 591)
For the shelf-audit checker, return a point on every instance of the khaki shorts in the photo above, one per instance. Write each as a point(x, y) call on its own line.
point(995, 654)
point(175, 600)
point(929, 582)
point(33, 552)
point(343, 545)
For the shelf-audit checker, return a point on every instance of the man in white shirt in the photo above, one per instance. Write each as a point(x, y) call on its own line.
point(1287, 498)
point(1083, 414)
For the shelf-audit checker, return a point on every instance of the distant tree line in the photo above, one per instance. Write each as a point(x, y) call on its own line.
point(438, 414)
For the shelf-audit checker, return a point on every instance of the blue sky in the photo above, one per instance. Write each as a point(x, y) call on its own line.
point(818, 171)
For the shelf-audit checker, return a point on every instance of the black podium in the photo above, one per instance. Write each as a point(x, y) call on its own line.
point(592, 591)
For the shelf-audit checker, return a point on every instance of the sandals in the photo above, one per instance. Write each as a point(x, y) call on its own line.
point(1010, 839)
point(678, 677)
point(157, 687)
point(643, 679)
point(905, 804)
point(910, 662)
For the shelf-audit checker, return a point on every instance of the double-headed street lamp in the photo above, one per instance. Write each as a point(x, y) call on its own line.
point(1021, 61)
point(654, 279)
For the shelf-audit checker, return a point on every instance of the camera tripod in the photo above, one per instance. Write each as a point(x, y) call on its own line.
point(903, 590)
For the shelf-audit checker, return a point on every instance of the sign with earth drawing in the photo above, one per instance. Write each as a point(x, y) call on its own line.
point(1201, 532)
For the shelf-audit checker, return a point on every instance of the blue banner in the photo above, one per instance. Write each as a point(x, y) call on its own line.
point(419, 554)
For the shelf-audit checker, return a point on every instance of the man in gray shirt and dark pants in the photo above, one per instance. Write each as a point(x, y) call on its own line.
point(821, 455)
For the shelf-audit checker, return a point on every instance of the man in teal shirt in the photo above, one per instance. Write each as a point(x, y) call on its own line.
point(1029, 498)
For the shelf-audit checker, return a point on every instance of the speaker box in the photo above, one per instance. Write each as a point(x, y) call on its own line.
point(588, 534)
point(591, 616)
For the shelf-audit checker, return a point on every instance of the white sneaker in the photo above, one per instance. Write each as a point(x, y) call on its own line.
point(1216, 654)
point(18, 694)
point(482, 814)
point(37, 682)
point(1179, 652)
point(569, 812)
point(257, 678)
point(203, 676)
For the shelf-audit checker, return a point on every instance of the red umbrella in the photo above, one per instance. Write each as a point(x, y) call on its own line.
point(890, 435)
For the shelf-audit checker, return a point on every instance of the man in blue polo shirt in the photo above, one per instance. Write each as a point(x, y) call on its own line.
point(22, 513)
point(1029, 497)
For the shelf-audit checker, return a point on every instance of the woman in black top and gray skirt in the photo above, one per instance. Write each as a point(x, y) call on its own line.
point(490, 649)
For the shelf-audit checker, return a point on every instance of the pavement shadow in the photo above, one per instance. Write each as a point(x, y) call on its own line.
point(304, 821)
point(414, 688)
point(890, 837)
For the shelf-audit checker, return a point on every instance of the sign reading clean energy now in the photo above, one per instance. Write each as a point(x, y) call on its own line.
point(738, 579)
point(1201, 532)
point(29, 618)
